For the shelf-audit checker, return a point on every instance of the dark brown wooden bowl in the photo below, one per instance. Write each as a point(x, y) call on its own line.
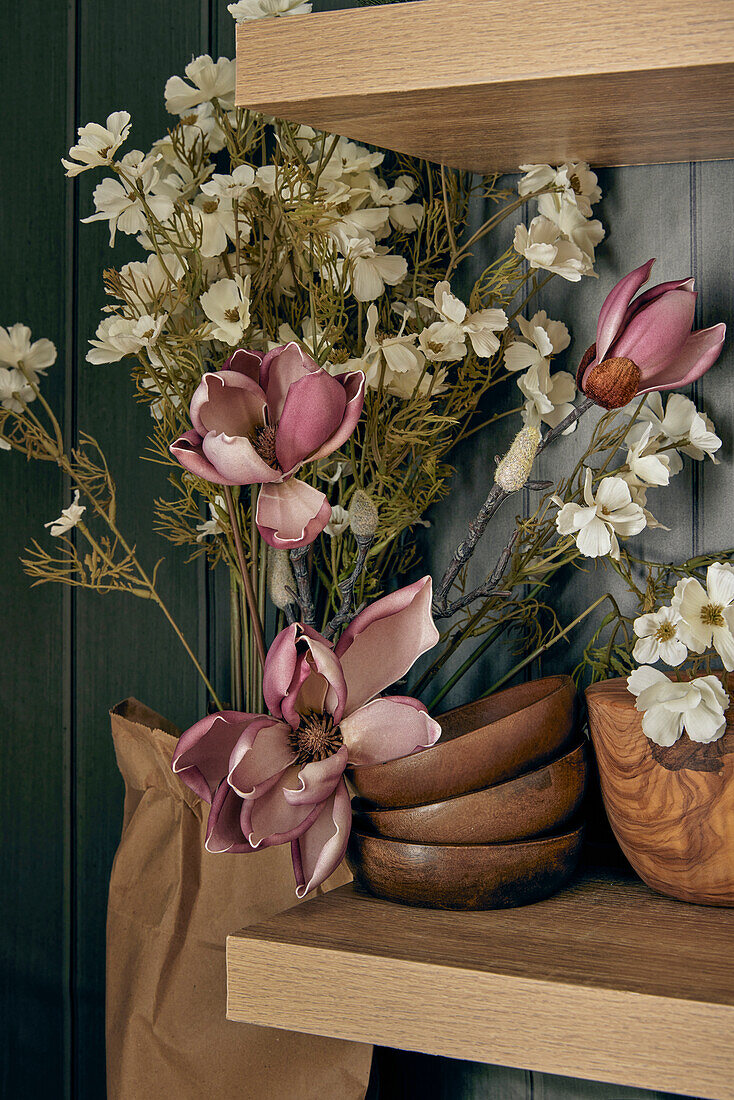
point(481, 744)
point(541, 801)
point(462, 876)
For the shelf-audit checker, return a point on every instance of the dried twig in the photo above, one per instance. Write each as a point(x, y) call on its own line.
point(346, 588)
point(496, 498)
point(305, 598)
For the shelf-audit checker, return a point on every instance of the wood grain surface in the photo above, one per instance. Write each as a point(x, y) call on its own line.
point(538, 802)
point(672, 809)
point(606, 980)
point(464, 876)
point(642, 81)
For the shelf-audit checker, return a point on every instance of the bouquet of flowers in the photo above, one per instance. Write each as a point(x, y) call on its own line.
point(302, 329)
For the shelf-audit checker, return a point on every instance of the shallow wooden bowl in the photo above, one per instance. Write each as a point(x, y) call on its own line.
point(481, 744)
point(463, 876)
point(671, 809)
point(541, 801)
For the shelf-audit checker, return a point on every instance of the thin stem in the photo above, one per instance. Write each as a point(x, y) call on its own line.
point(246, 578)
point(235, 643)
point(544, 648)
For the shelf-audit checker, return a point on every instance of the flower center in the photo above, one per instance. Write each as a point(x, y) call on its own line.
point(210, 206)
point(575, 183)
point(317, 738)
point(231, 314)
point(264, 444)
point(711, 614)
point(665, 632)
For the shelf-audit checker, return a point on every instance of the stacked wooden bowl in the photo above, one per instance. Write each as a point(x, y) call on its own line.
point(486, 818)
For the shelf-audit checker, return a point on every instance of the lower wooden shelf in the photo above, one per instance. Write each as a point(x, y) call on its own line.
point(606, 981)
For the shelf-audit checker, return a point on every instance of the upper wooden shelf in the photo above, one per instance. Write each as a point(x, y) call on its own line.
point(489, 84)
point(606, 981)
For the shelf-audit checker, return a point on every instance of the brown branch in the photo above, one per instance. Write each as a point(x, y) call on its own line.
point(346, 588)
point(496, 498)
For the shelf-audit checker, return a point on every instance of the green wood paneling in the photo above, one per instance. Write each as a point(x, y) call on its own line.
point(34, 735)
point(125, 54)
point(67, 659)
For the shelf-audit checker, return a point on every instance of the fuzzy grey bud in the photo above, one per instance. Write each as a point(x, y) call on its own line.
point(514, 469)
point(280, 579)
point(363, 516)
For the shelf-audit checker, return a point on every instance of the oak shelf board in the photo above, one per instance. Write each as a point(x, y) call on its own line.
point(607, 981)
point(488, 84)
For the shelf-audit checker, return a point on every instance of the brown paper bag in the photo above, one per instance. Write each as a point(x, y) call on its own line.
point(171, 907)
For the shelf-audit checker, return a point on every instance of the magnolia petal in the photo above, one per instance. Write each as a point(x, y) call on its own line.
point(201, 757)
point(291, 514)
point(657, 291)
point(280, 666)
point(312, 412)
point(227, 403)
point(188, 450)
point(385, 640)
point(280, 369)
point(323, 689)
point(655, 336)
point(317, 684)
point(245, 362)
point(612, 312)
point(223, 830)
point(698, 354)
point(260, 757)
point(317, 780)
point(270, 819)
point(354, 384)
point(319, 851)
point(236, 460)
point(387, 728)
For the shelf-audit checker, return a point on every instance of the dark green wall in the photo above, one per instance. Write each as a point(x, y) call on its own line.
point(67, 656)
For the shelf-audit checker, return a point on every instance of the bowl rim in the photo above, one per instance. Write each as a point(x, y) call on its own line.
point(575, 833)
point(564, 681)
point(582, 746)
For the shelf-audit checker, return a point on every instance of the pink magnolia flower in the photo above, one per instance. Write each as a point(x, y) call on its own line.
point(647, 344)
point(278, 778)
point(258, 420)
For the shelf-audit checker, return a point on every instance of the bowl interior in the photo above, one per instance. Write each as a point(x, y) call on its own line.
point(472, 716)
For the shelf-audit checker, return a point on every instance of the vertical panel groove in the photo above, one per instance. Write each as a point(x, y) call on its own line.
point(71, 350)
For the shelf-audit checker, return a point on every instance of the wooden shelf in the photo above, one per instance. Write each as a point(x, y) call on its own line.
point(489, 84)
point(607, 981)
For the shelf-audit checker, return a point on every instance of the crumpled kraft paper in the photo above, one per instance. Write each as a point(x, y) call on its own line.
point(171, 906)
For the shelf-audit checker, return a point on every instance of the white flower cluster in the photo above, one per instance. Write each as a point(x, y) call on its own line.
point(547, 398)
point(699, 619)
point(22, 363)
point(562, 237)
point(657, 440)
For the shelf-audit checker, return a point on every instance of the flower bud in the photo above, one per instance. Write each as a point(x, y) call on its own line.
point(280, 579)
point(613, 382)
point(514, 469)
point(363, 516)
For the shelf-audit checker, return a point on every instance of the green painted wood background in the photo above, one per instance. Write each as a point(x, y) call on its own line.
point(67, 657)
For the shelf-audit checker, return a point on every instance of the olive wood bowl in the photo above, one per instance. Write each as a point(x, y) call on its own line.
point(482, 744)
point(455, 876)
point(538, 802)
